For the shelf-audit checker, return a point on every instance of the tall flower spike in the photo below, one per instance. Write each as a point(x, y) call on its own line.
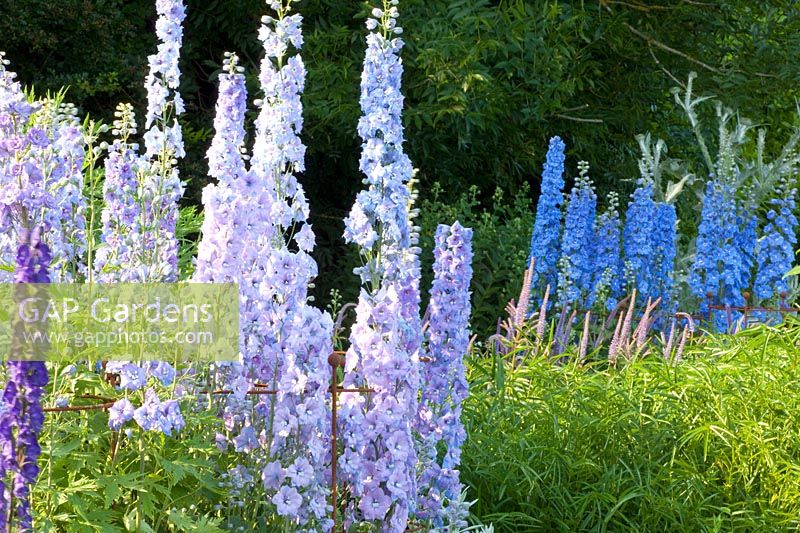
point(637, 238)
point(384, 340)
point(607, 284)
point(776, 247)
point(161, 187)
point(444, 384)
point(576, 272)
point(664, 249)
point(121, 215)
point(299, 335)
point(717, 258)
point(22, 416)
point(545, 239)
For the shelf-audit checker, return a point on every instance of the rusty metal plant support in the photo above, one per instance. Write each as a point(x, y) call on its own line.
point(336, 360)
point(746, 310)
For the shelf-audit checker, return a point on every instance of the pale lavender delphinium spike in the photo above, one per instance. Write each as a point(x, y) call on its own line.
point(444, 384)
point(384, 338)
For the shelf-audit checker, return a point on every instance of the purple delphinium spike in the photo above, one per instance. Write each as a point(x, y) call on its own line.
point(444, 385)
point(22, 414)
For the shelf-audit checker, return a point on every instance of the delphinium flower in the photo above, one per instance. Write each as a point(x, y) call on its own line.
point(716, 230)
point(142, 192)
point(664, 250)
point(545, 240)
point(285, 341)
point(41, 159)
point(121, 240)
point(379, 459)
point(444, 385)
point(607, 284)
point(640, 220)
point(577, 263)
point(22, 415)
point(299, 338)
point(160, 186)
point(776, 247)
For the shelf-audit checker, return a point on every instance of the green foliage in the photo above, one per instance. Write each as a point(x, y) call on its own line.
point(708, 444)
point(95, 479)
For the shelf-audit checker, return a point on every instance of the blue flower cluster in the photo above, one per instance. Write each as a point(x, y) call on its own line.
point(665, 241)
point(577, 262)
point(545, 249)
point(718, 266)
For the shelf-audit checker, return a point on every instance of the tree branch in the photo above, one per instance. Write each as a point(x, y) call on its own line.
point(652, 41)
point(578, 119)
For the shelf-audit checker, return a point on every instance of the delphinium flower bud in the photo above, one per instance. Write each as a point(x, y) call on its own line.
point(22, 416)
point(379, 459)
point(577, 254)
point(545, 240)
point(444, 385)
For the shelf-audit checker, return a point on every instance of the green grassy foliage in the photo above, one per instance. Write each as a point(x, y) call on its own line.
point(709, 444)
